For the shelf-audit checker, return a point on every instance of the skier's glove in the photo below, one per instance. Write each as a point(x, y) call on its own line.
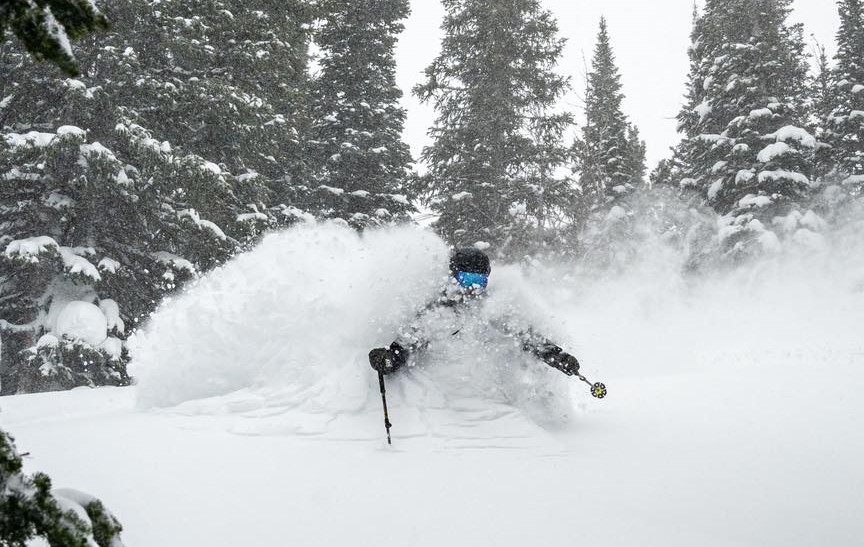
point(387, 360)
point(380, 359)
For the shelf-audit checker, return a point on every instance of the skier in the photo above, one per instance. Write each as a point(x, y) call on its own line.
point(469, 270)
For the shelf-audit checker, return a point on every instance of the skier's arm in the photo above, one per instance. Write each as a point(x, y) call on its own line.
point(544, 349)
point(553, 356)
point(391, 359)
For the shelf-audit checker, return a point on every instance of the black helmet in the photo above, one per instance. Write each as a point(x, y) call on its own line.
point(469, 260)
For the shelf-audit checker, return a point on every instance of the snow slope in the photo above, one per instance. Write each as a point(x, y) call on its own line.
point(733, 417)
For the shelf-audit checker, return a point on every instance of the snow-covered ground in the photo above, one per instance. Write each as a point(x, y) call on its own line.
point(733, 419)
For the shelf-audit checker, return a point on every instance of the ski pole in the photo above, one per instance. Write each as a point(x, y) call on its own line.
point(598, 389)
point(387, 423)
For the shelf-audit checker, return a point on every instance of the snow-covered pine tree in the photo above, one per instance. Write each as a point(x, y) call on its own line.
point(45, 27)
point(845, 127)
point(92, 234)
point(494, 80)
point(745, 150)
point(29, 509)
point(98, 219)
point(610, 156)
point(361, 162)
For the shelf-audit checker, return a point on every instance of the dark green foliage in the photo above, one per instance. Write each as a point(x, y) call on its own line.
point(29, 509)
point(67, 364)
point(496, 140)
point(845, 125)
point(46, 26)
point(225, 81)
point(105, 526)
point(610, 156)
point(635, 161)
point(822, 92)
point(362, 165)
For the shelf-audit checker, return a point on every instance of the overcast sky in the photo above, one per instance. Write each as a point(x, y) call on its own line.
point(650, 40)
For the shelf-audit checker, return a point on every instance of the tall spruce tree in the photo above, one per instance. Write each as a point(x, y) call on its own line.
point(822, 102)
point(496, 139)
point(745, 150)
point(845, 126)
point(362, 162)
point(636, 156)
point(610, 156)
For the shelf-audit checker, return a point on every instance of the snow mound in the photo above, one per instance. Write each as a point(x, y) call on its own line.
point(302, 306)
point(82, 321)
point(30, 248)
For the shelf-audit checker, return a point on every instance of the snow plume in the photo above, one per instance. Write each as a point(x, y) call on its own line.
point(649, 309)
point(282, 333)
point(300, 307)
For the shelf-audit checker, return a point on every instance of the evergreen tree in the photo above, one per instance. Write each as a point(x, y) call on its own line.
point(745, 149)
point(362, 162)
point(610, 156)
point(845, 127)
point(495, 149)
point(46, 26)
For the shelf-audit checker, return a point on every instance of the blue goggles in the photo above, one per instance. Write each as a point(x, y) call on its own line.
point(468, 280)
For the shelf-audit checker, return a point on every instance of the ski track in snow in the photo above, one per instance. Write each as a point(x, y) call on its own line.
point(733, 419)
